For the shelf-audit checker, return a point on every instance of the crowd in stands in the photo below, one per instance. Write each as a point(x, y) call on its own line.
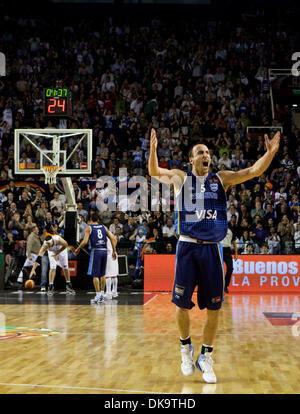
point(191, 82)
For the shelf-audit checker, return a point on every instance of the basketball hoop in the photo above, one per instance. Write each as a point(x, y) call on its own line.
point(50, 172)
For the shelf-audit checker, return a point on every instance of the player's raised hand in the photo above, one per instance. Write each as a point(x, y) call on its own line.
point(273, 145)
point(153, 140)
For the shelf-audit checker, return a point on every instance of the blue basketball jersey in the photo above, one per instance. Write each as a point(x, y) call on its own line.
point(201, 208)
point(98, 237)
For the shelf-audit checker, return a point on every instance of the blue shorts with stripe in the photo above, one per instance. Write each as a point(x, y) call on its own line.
point(199, 265)
point(97, 265)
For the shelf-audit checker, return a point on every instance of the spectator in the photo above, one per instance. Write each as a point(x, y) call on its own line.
point(287, 241)
point(233, 224)
point(243, 241)
point(269, 213)
point(232, 211)
point(81, 211)
point(169, 249)
point(260, 234)
point(264, 249)
point(118, 235)
point(294, 205)
point(22, 203)
point(57, 202)
point(139, 236)
point(7, 203)
point(297, 239)
point(168, 231)
point(82, 226)
point(273, 242)
point(16, 226)
point(257, 211)
point(115, 223)
point(129, 228)
point(249, 249)
point(38, 199)
point(224, 160)
point(285, 227)
point(138, 157)
point(175, 162)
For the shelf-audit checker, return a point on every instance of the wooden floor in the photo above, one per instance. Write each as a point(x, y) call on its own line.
point(119, 348)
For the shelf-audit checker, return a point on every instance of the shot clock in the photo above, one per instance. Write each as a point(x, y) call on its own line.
point(57, 102)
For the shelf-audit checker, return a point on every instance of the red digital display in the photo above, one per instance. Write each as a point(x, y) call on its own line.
point(56, 106)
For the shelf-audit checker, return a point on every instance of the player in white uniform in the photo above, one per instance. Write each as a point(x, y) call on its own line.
point(111, 273)
point(58, 255)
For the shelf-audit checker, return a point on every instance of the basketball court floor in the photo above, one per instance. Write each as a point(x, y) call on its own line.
point(129, 345)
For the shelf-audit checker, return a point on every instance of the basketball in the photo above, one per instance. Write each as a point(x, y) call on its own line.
point(29, 284)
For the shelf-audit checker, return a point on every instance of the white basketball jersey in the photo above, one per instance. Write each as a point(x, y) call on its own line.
point(109, 247)
point(57, 246)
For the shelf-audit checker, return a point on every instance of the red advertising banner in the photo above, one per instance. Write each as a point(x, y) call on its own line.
point(253, 273)
point(72, 268)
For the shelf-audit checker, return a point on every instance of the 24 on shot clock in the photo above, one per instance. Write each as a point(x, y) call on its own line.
point(57, 102)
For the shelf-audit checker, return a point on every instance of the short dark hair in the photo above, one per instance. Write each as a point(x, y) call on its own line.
point(48, 227)
point(191, 148)
point(95, 217)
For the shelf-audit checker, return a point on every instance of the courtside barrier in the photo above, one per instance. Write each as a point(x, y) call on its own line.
point(251, 273)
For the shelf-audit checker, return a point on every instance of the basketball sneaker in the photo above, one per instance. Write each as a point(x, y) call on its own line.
point(70, 290)
point(115, 294)
point(50, 291)
point(187, 365)
point(97, 300)
point(108, 296)
point(205, 364)
point(43, 289)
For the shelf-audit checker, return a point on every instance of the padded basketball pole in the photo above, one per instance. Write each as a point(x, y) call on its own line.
point(71, 217)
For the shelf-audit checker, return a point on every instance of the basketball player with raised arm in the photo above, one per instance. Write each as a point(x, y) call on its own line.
point(58, 255)
point(96, 235)
point(201, 224)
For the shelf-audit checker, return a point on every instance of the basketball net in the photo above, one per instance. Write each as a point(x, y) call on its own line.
point(50, 172)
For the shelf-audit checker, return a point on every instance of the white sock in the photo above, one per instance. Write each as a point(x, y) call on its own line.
point(20, 278)
point(98, 294)
point(108, 285)
point(114, 284)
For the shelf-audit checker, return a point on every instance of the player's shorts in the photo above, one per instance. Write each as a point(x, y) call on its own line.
point(97, 265)
point(62, 260)
point(112, 267)
point(199, 265)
